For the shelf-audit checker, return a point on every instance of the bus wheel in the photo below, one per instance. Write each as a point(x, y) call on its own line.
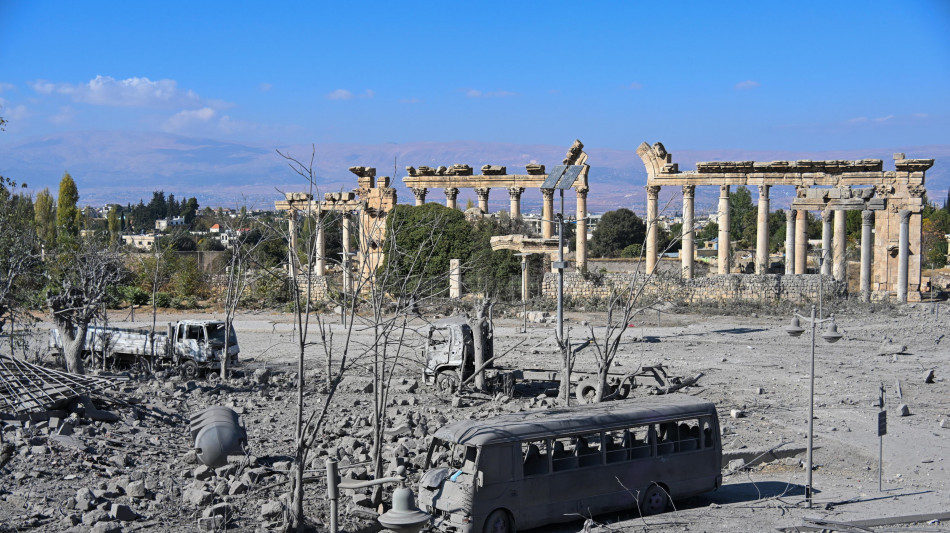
point(446, 384)
point(655, 501)
point(499, 522)
point(586, 391)
point(189, 370)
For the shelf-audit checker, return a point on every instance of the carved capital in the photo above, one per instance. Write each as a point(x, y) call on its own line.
point(482, 193)
point(515, 192)
point(420, 193)
point(547, 194)
point(724, 191)
point(689, 191)
point(867, 217)
point(451, 192)
point(653, 192)
point(916, 191)
point(790, 215)
point(764, 191)
point(905, 216)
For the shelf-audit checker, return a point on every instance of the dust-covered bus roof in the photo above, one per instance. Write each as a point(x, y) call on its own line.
point(567, 420)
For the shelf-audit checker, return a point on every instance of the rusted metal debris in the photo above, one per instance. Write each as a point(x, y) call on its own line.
point(27, 388)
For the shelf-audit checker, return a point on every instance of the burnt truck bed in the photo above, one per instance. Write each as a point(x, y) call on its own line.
point(620, 384)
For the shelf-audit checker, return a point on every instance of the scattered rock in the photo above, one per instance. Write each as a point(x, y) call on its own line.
point(889, 347)
point(929, 376)
point(737, 413)
point(122, 513)
point(904, 410)
point(271, 509)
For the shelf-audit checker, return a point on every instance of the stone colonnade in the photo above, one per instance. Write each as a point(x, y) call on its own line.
point(363, 212)
point(450, 179)
point(890, 255)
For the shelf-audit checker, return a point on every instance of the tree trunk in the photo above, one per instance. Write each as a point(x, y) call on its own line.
point(73, 342)
point(479, 346)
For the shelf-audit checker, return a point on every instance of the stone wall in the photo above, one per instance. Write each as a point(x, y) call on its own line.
point(731, 287)
point(319, 286)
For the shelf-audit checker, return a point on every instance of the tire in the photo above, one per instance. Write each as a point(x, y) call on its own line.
point(499, 521)
point(189, 370)
point(446, 384)
point(655, 501)
point(586, 391)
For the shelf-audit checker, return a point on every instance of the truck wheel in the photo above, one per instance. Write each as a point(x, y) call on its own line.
point(446, 384)
point(586, 391)
point(655, 500)
point(499, 522)
point(189, 369)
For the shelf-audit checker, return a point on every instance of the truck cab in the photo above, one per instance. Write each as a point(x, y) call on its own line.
point(202, 341)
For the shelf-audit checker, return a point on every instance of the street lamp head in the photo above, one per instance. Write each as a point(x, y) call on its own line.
point(832, 334)
point(794, 329)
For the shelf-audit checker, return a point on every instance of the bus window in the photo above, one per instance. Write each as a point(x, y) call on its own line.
point(535, 457)
point(689, 435)
point(562, 454)
point(453, 456)
point(707, 435)
point(640, 444)
point(587, 450)
point(617, 445)
point(668, 436)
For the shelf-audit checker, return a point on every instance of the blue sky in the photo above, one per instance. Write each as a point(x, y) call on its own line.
point(695, 75)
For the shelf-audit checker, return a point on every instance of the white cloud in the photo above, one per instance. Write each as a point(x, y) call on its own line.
point(340, 94)
point(6, 86)
point(130, 92)
point(746, 85)
point(188, 118)
point(368, 93)
point(920, 115)
point(636, 86)
point(884, 119)
point(475, 93)
point(857, 120)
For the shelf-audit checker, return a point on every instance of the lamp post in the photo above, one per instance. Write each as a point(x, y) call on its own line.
point(345, 263)
point(404, 517)
point(831, 336)
point(524, 289)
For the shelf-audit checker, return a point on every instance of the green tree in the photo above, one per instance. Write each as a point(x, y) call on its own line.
point(68, 215)
point(708, 232)
point(742, 217)
point(44, 210)
point(189, 210)
point(615, 231)
point(19, 262)
point(115, 225)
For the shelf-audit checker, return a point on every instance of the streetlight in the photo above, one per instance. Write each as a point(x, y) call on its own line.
point(524, 289)
point(831, 336)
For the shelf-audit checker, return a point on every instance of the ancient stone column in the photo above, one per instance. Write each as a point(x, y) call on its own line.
point(826, 242)
point(801, 242)
point(420, 193)
point(903, 251)
point(347, 257)
point(653, 195)
point(762, 233)
point(840, 259)
point(687, 249)
point(514, 198)
point(321, 249)
point(724, 236)
point(547, 213)
point(580, 236)
point(789, 242)
point(482, 193)
point(455, 278)
point(292, 232)
point(867, 241)
point(451, 193)
point(524, 279)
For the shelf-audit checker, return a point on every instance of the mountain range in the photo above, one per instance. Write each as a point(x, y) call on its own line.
point(124, 167)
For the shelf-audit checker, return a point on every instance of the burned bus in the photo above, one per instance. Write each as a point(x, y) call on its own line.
point(525, 470)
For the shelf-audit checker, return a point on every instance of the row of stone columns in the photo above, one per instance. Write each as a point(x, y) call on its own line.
point(319, 259)
point(514, 195)
point(796, 238)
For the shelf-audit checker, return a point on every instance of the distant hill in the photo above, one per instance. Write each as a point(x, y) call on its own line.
point(123, 167)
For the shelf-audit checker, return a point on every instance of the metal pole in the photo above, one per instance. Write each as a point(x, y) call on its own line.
point(332, 493)
point(880, 464)
point(811, 411)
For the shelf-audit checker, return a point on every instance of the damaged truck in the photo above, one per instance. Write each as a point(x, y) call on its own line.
point(192, 345)
point(450, 354)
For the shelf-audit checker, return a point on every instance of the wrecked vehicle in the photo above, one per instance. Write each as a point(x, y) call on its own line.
point(450, 354)
point(530, 469)
point(194, 345)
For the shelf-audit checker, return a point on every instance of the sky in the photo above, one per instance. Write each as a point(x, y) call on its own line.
point(695, 75)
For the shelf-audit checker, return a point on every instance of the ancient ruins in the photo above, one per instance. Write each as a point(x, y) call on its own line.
point(890, 201)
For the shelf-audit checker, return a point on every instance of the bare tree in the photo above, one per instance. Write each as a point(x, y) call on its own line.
point(79, 278)
point(20, 255)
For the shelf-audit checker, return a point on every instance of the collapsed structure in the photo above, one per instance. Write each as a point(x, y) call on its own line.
point(891, 202)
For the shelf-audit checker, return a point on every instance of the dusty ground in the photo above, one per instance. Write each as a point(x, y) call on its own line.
point(750, 364)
